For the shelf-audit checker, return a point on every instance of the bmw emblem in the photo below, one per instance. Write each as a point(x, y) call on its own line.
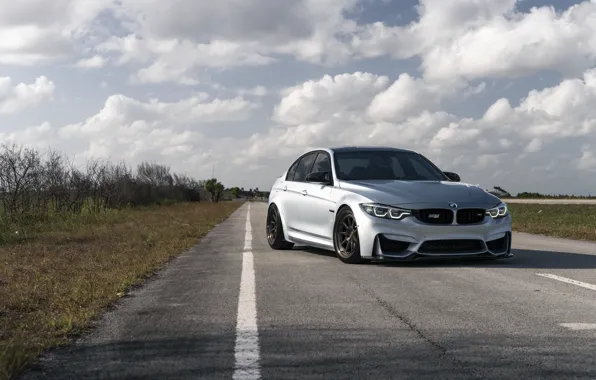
point(453, 205)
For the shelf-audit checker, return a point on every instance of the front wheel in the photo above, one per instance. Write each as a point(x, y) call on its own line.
point(345, 237)
point(275, 231)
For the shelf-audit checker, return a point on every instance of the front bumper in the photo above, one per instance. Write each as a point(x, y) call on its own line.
point(410, 238)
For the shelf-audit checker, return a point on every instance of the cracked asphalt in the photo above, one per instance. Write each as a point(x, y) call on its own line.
point(318, 318)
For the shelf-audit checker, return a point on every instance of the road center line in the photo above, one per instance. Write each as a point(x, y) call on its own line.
point(579, 326)
point(247, 334)
point(568, 280)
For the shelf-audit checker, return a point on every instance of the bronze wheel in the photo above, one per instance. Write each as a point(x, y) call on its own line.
point(274, 230)
point(346, 238)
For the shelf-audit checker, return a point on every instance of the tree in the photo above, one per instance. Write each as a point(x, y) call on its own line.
point(155, 174)
point(498, 188)
point(235, 192)
point(214, 188)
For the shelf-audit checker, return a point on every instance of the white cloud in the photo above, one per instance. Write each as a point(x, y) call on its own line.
point(174, 42)
point(546, 131)
point(182, 39)
point(38, 136)
point(587, 161)
point(534, 145)
point(456, 38)
point(123, 116)
point(327, 98)
point(95, 62)
point(258, 91)
point(174, 60)
point(172, 133)
point(409, 96)
point(40, 31)
point(485, 38)
point(14, 99)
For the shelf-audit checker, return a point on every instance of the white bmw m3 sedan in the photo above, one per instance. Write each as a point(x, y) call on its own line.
point(374, 203)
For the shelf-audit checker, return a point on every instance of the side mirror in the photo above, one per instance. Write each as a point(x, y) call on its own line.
point(453, 177)
point(319, 177)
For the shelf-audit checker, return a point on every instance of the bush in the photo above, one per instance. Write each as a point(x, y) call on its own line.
point(34, 184)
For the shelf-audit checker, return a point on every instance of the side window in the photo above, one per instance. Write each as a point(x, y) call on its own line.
point(304, 167)
point(322, 163)
point(292, 170)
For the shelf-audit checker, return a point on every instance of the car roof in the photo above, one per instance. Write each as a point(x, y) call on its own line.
point(368, 148)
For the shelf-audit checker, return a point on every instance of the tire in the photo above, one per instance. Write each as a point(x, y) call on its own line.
point(275, 231)
point(347, 250)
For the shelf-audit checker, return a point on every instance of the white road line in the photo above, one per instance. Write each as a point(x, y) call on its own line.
point(568, 280)
point(247, 333)
point(579, 326)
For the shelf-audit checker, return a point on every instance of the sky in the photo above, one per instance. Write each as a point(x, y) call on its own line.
point(503, 92)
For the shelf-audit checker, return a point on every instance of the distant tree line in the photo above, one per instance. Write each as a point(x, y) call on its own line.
point(32, 183)
point(502, 193)
point(239, 192)
point(528, 195)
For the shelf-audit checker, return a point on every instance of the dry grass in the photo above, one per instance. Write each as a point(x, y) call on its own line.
point(56, 276)
point(566, 221)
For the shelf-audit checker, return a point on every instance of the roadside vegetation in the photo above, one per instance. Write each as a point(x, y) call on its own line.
point(504, 194)
point(73, 240)
point(565, 221)
point(529, 195)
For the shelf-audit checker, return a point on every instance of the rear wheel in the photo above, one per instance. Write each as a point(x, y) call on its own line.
point(274, 229)
point(345, 237)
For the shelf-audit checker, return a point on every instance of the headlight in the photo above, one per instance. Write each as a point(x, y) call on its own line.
point(387, 212)
point(498, 212)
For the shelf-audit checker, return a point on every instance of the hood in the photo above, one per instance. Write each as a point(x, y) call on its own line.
point(422, 194)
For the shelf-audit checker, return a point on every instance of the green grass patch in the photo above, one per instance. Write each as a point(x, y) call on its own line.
point(565, 221)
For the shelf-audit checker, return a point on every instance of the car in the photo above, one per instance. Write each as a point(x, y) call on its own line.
point(383, 203)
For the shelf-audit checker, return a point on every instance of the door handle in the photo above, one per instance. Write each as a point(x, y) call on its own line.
point(304, 192)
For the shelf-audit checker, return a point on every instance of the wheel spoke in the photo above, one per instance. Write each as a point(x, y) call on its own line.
point(346, 236)
point(272, 226)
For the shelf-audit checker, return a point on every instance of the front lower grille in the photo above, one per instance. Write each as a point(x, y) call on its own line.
point(498, 245)
point(392, 246)
point(435, 216)
point(451, 246)
point(470, 216)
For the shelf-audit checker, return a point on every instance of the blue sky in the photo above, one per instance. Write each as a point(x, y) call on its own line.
point(248, 88)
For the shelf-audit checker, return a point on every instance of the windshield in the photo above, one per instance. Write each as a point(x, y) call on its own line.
point(385, 165)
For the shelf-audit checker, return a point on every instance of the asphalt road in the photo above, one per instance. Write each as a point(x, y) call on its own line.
point(231, 308)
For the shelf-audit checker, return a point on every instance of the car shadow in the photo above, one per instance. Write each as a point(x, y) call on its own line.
point(523, 258)
point(314, 251)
